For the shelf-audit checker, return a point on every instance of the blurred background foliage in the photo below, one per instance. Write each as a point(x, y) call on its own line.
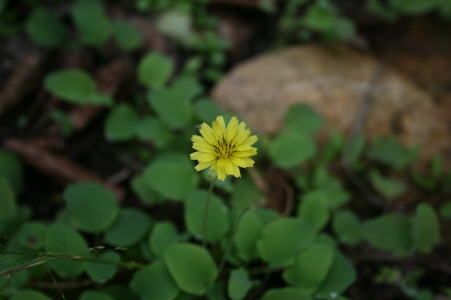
point(99, 199)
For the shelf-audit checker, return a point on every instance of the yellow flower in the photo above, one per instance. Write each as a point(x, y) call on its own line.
point(224, 149)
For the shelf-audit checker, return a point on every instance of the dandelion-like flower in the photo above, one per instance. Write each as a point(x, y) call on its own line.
point(224, 149)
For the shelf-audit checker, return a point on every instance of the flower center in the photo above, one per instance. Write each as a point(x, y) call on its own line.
point(223, 148)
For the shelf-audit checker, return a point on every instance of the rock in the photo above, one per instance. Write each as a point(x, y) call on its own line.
point(334, 82)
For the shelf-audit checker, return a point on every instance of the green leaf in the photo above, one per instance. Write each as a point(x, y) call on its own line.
point(388, 187)
point(314, 210)
point(390, 151)
point(171, 175)
point(289, 149)
point(154, 282)
point(347, 227)
point(182, 258)
point(45, 28)
point(163, 235)
point(91, 206)
point(177, 25)
point(127, 36)
point(172, 106)
point(144, 192)
point(217, 223)
point(8, 201)
point(282, 238)
point(390, 232)
point(95, 295)
point(302, 119)
point(31, 235)
point(187, 86)
point(414, 7)
point(287, 293)
point(353, 151)
point(247, 234)
point(28, 295)
point(154, 130)
point(129, 228)
point(91, 21)
point(445, 210)
point(239, 284)
point(12, 170)
point(426, 229)
point(207, 111)
point(154, 70)
point(120, 123)
point(102, 273)
point(340, 276)
point(245, 194)
point(75, 86)
point(64, 240)
point(310, 268)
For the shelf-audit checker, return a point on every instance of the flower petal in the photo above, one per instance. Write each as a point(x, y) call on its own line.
point(250, 140)
point(231, 129)
point(203, 165)
point(221, 174)
point(208, 133)
point(236, 171)
point(195, 155)
point(206, 157)
point(251, 152)
point(240, 137)
point(228, 167)
point(238, 161)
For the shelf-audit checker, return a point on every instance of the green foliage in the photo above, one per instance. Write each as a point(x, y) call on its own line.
point(391, 152)
point(95, 295)
point(154, 70)
point(426, 231)
point(9, 205)
point(91, 207)
point(239, 284)
point(29, 294)
point(282, 238)
point(45, 28)
point(347, 227)
point(75, 86)
point(310, 268)
point(12, 170)
point(182, 258)
point(91, 21)
point(120, 123)
point(31, 235)
point(388, 187)
point(217, 222)
point(314, 210)
point(127, 36)
point(163, 235)
point(289, 149)
point(100, 272)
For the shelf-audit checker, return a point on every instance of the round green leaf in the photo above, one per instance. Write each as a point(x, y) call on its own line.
point(11, 169)
point(310, 268)
point(177, 25)
point(207, 110)
point(154, 70)
point(29, 295)
point(127, 36)
point(289, 149)
point(191, 266)
point(120, 123)
point(95, 295)
point(65, 240)
point(389, 232)
point(246, 236)
point(91, 207)
point(426, 230)
point(45, 28)
point(217, 223)
point(142, 189)
point(445, 210)
point(287, 293)
point(31, 235)
point(92, 22)
point(71, 85)
point(130, 227)
point(282, 238)
point(314, 210)
point(387, 187)
point(347, 227)
point(172, 106)
point(340, 276)
point(239, 284)
point(8, 201)
point(154, 130)
point(99, 272)
point(303, 119)
point(245, 193)
point(154, 282)
point(163, 235)
point(171, 175)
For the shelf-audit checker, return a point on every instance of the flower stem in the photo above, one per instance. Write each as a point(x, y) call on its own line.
point(229, 244)
point(207, 205)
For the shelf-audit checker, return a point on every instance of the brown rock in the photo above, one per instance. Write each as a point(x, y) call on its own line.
point(335, 82)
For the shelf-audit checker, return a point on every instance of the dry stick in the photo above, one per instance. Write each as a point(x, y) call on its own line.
point(357, 128)
point(204, 225)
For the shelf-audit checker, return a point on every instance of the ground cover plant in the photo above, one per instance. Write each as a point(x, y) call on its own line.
point(121, 179)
